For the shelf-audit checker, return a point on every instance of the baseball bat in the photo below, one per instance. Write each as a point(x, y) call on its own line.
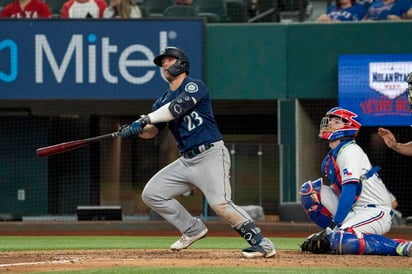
point(67, 146)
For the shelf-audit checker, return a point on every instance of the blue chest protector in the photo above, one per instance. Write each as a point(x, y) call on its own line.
point(331, 169)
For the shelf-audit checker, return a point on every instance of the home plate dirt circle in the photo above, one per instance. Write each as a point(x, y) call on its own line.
point(60, 260)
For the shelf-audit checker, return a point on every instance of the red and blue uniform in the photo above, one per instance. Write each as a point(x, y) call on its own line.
point(34, 9)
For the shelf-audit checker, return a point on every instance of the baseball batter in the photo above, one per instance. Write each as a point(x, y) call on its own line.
point(356, 210)
point(204, 163)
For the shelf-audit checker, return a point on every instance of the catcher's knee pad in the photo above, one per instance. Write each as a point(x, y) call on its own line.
point(250, 232)
point(343, 242)
point(319, 202)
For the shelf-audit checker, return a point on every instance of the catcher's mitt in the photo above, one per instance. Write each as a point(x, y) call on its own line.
point(317, 243)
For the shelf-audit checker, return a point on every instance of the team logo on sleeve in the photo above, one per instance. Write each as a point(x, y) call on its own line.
point(347, 172)
point(191, 87)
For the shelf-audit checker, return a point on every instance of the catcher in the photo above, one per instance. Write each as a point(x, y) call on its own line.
point(355, 210)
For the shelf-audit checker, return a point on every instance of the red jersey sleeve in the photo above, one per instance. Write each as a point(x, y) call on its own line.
point(102, 6)
point(64, 13)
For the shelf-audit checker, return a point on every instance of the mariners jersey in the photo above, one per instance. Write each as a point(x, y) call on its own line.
point(348, 163)
point(34, 9)
point(198, 126)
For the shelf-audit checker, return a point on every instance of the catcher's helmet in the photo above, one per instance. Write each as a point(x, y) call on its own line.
point(182, 63)
point(350, 127)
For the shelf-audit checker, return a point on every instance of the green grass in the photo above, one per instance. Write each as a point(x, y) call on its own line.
point(19, 243)
point(233, 270)
point(32, 243)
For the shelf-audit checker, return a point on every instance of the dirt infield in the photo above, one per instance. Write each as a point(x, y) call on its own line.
point(35, 261)
point(60, 260)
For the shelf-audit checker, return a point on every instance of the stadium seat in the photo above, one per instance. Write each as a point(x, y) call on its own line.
point(236, 11)
point(180, 11)
point(155, 8)
point(55, 6)
point(207, 9)
point(144, 11)
point(290, 9)
point(4, 3)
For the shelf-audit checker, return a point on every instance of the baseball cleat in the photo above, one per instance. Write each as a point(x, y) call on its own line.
point(404, 249)
point(186, 241)
point(265, 249)
point(257, 251)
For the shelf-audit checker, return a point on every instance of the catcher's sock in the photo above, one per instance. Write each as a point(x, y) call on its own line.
point(264, 249)
point(404, 249)
point(186, 241)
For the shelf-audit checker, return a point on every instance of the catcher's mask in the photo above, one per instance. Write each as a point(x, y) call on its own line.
point(182, 63)
point(348, 128)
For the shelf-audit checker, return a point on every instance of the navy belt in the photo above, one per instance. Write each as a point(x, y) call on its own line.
point(189, 154)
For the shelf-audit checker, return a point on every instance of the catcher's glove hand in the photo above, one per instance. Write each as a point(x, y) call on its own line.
point(317, 243)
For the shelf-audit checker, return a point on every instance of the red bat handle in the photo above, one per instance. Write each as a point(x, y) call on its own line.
point(67, 146)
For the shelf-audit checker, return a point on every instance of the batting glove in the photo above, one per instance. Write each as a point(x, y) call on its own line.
point(136, 128)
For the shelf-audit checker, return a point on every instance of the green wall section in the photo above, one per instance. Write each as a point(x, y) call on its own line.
point(275, 61)
point(287, 155)
point(246, 61)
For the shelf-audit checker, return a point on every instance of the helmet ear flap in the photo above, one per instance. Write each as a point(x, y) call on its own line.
point(182, 62)
point(179, 67)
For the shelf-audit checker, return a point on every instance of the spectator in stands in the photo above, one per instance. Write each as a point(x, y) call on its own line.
point(343, 10)
point(365, 3)
point(83, 9)
point(26, 9)
point(406, 9)
point(122, 9)
point(389, 10)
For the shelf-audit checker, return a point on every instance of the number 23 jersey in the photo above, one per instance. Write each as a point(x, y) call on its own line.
point(198, 125)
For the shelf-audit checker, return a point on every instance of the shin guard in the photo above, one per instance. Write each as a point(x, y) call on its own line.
point(343, 242)
point(250, 232)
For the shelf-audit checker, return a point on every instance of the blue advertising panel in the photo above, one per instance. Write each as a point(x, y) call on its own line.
point(92, 59)
point(374, 87)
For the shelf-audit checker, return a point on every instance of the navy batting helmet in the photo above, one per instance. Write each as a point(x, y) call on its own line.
point(182, 63)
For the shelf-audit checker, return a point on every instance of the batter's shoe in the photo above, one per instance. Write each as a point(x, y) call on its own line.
point(405, 249)
point(186, 241)
point(265, 249)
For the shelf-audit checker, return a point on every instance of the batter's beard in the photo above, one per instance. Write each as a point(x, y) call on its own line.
point(169, 77)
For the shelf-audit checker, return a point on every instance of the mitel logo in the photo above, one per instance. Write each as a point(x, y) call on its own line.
point(9, 47)
point(389, 78)
point(82, 51)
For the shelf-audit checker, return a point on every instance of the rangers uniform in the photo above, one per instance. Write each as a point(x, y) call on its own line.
point(34, 9)
point(83, 9)
point(356, 12)
point(357, 210)
point(204, 162)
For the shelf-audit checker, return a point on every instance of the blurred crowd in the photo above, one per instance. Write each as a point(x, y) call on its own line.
point(232, 10)
point(369, 10)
